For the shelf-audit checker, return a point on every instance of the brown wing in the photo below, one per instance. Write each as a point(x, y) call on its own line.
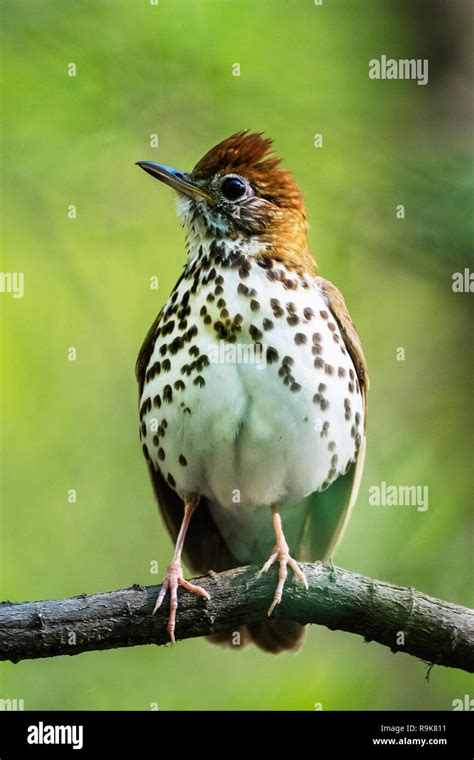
point(352, 342)
point(204, 548)
point(329, 512)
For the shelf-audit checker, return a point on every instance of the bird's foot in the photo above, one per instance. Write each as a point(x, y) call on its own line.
point(281, 553)
point(173, 579)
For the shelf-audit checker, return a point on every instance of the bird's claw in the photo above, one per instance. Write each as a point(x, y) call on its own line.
point(281, 553)
point(173, 579)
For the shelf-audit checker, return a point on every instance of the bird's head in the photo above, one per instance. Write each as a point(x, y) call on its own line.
point(238, 192)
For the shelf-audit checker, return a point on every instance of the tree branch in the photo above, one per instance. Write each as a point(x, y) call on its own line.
point(400, 618)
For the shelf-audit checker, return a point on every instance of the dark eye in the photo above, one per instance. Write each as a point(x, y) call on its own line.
point(233, 188)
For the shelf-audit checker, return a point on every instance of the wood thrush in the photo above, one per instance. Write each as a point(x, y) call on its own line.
point(253, 384)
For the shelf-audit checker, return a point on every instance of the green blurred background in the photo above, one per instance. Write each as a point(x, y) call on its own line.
point(166, 69)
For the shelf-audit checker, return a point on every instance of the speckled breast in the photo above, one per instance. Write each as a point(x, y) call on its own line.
point(250, 396)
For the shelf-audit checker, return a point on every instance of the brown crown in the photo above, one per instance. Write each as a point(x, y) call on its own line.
point(249, 154)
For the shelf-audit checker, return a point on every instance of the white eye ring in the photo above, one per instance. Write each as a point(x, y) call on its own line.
point(234, 188)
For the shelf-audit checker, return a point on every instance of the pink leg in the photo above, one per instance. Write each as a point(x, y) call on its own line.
point(174, 576)
point(281, 553)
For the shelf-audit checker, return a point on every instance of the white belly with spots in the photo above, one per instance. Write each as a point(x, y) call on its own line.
point(253, 428)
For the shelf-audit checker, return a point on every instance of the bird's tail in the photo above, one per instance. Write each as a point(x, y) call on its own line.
point(272, 636)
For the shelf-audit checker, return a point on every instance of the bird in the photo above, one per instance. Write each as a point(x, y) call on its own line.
point(253, 386)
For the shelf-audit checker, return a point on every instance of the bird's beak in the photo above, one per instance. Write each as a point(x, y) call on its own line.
point(179, 181)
